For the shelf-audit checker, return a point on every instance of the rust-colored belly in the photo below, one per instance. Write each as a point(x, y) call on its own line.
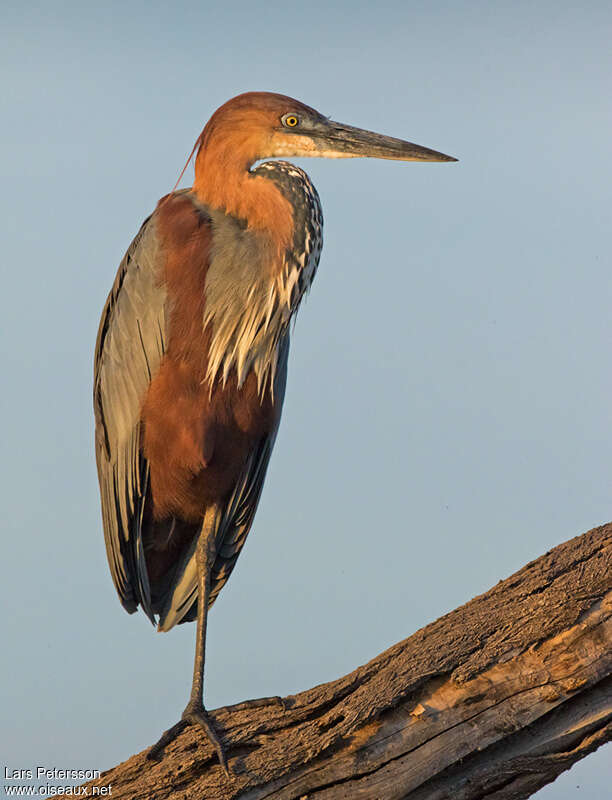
point(197, 445)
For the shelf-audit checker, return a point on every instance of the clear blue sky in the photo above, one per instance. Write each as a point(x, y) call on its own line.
point(448, 414)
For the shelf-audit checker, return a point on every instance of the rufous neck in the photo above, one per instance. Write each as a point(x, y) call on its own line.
point(223, 181)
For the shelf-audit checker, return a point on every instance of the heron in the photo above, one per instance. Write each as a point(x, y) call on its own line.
point(191, 358)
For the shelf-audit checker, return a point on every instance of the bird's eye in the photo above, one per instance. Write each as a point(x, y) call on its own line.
point(290, 121)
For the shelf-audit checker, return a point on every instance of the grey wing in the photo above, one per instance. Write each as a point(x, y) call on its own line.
point(231, 524)
point(129, 348)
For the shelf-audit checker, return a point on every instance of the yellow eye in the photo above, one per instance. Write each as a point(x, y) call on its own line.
point(290, 121)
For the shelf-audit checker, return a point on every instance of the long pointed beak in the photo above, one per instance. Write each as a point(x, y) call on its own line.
point(343, 141)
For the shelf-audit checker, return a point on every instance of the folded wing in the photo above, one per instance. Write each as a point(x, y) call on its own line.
point(130, 345)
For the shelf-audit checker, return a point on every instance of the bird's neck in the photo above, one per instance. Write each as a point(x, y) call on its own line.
point(224, 182)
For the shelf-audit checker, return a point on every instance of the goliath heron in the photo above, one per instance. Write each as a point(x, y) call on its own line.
point(191, 358)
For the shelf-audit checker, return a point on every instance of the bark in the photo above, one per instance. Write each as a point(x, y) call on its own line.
point(493, 700)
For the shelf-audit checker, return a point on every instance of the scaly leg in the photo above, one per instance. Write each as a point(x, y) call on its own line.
point(195, 713)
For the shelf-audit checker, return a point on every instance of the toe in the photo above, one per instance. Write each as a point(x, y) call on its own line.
point(197, 715)
point(157, 751)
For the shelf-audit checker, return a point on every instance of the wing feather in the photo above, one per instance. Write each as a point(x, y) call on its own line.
point(129, 348)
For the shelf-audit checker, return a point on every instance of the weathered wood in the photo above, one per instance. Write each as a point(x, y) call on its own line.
point(492, 700)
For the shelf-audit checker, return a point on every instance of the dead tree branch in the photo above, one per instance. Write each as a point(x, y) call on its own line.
point(493, 700)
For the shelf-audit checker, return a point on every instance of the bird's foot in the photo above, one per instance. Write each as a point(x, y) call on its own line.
point(194, 714)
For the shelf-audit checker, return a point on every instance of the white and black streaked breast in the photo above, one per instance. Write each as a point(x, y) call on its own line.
point(302, 259)
point(248, 305)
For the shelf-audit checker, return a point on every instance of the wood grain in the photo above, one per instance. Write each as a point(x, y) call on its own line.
point(493, 700)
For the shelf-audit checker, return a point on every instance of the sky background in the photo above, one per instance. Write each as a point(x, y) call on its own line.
point(448, 414)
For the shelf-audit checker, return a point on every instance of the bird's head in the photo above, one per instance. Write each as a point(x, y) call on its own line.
point(258, 125)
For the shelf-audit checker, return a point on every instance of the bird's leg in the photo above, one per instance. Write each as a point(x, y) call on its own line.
point(195, 713)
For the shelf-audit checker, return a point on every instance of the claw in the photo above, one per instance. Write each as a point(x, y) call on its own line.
point(192, 715)
point(245, 705)
point(197, 715)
